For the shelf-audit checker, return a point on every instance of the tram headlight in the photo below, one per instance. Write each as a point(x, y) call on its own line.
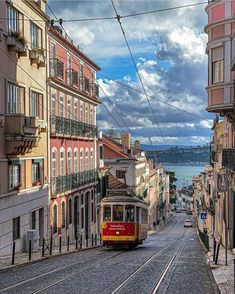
point(117, 233)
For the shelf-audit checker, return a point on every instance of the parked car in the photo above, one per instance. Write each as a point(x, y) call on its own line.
point(178, 210)
point(189, 212)
point(188, 223)
point(183, 209)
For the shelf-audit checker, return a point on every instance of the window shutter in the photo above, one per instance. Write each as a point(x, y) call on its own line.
point(217, 53)
point(40, 106)
point(22, 100)
point(22, 174)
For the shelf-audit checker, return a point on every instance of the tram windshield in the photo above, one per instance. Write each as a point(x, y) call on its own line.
point(107, 213)
point(129, 213)
point(118, 213)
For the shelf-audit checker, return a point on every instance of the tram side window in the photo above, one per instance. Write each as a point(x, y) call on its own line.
point(107, 213)
point(129, 213)
point(118, 213)
point(144, 215)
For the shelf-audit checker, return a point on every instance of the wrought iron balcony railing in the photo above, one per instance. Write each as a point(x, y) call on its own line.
point(72, 77)
point(56, 68)
point(61, 184)
point(61, 125)
point(228, 159)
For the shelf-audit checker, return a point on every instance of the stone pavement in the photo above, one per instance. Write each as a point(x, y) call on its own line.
point(223, 275)
point(22, 258)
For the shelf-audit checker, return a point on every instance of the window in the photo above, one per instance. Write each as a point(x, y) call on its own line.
point(91, 116)
point(36, 101)
point(81, 77)
point(92, 159)
point(35, 172)
point(120, 174)
point(16, 228)
point(86, 160)
point(144, 216)
point(69, 76)
point(52, 50)
point(81, 160)
point(54, 219)
point(69, 161)
point(107, 213)
point(15, 20)
point(86, 115)
point(81, 113)
point(218, 65)
point(75, 160)
point(75, 105)
point(54, 163)
point(63, 215)
point(118, 213)
point(36, 36)
point(14, 176)
point(53, 103)
point(61, 106)
point(101, 152)
point(33, 220)
point(69, 112)
point(62, 168)
point(70, 211)
point(15, 98)
point(129, 213)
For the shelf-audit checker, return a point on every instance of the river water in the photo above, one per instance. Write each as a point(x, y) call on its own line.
point(184, 173)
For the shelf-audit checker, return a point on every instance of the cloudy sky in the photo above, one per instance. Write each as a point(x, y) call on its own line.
point(169, 51)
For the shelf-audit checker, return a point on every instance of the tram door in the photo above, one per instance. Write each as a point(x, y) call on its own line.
point(137, 221)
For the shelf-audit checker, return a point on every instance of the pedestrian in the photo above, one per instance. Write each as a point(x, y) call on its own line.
point(154, 225)
point(158, 222)
point(163, 218)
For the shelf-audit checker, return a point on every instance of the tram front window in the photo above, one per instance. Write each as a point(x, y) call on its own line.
point(107, 213)
point(129, 213)
point(118, 213)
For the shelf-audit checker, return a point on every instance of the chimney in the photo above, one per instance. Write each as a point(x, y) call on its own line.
point(126, 139)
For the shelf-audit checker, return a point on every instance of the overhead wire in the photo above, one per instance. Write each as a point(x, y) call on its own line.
point(137, 71)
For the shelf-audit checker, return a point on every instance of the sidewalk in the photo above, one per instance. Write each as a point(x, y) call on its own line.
point(223, 275)
point(160, 226)
point(22, 258)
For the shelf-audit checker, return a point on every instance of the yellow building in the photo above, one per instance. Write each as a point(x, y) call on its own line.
point(23, 123)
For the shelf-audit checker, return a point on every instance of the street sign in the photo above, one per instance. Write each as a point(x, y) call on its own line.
point(203, 215)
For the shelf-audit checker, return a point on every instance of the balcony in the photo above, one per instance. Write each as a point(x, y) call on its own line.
point(16, 42)
point(65, 183)
point(37, 56)
point(61, 126)
point(56, 68)
point(72, 77)
point(21, 133)
point(228, 159)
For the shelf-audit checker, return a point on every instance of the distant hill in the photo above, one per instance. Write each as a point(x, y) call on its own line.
point(147, 147)
point(179, 154)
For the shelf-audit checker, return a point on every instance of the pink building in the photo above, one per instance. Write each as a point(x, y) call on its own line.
point(73, 134)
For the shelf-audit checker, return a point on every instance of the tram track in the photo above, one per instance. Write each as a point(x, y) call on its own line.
point(57, 270)
point(148, 261)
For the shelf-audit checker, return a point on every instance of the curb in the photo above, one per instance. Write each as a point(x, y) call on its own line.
point(157, 231)
point(20, 265)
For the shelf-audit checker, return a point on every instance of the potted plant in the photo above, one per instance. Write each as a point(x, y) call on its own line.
point(37, 183)
point(17, 40)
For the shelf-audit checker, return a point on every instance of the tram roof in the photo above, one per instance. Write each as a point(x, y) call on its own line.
point(123, 198)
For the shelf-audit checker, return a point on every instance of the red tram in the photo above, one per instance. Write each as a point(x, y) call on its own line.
point(124, 220)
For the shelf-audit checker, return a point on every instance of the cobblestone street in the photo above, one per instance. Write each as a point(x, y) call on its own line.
point(103, 270)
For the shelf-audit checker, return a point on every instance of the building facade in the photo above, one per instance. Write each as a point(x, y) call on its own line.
point(221, 76)
point(73, 98)
point(23, 123)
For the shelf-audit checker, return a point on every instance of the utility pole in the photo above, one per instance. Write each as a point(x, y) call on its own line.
point(226, 228)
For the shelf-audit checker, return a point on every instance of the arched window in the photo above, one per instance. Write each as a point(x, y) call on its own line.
point(55, 219)
point(75, 156)
point(69, 161)
point(70, 211)
point(92, 159)
point(86, 159)
point(62, 167)
point(81, 160)
point(54, 162)
point(63, 215)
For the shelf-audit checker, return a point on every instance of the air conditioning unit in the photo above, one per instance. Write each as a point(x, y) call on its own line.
point(42, 124)
point(33, 236)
